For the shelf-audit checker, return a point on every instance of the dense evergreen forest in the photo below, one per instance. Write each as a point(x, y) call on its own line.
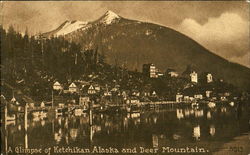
point(33, 61)
point(55, 56)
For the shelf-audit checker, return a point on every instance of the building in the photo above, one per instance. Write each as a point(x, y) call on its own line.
point(57, 86)
point(198, 96)
point(209, 78)
point(158, 73)
point(208, 93)
point(179, 97)
point(91, 90)
point(107, 93)
point(171, 73)
point(150, 70)
point(73, 88)
point(133, 100)
point(135, 93)
point(194, 77)
point(97, 87)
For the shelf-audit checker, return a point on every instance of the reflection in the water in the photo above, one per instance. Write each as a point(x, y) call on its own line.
point(212, 130)
point(179, 113)
point(73, 133)
point(223, 109)
point(26, 141)
point(197, 132)
point(176, 136)
point(187, 112)
point(209, 116)
point(198, 113)
point(155, 140)
point(179, 126)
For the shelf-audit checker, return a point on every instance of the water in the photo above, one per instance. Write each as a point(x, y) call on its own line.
point(207, 128)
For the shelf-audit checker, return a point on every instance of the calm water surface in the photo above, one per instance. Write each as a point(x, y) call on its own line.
point(174, 127)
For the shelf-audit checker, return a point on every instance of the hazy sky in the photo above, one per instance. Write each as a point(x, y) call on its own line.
point(222, 27)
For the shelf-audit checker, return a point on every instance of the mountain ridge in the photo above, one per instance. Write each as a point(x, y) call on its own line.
point(132, 43)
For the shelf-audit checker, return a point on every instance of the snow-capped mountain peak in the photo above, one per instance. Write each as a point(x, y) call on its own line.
point(109, 17)
point(70, 26)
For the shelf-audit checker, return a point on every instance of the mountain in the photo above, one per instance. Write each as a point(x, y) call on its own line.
point(66, 28)
point(133, 43)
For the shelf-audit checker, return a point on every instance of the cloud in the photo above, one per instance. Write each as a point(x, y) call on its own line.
point(226, 35)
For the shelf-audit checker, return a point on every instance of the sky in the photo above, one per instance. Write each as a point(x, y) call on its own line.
point(220, 26)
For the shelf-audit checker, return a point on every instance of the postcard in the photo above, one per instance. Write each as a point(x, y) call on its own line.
point(125, 77)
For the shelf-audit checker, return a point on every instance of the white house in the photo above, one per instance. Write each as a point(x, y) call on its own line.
point(107, 93)
point(209, 78)
point(91, 89)
point(153, 93)
point(73, 88)
point(194, 77)
point(208, 93)
point(173, 74)
point(198, 96)
point(133, 101)
point(186, 98)
point(179, 97)
point(57, 86)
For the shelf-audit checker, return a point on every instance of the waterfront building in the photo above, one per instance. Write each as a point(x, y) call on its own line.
point(179, 97)
point(186, 98)
point(133, 100)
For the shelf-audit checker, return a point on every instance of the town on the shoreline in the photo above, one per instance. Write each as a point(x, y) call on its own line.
point(80, 95)
point(56, 74)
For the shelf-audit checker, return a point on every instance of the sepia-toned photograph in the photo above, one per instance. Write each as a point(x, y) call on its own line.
point(125, 77)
